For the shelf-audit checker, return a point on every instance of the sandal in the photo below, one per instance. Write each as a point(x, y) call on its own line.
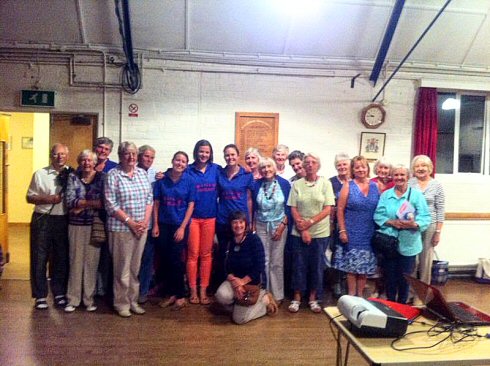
point(194, 300)
point(205, 300)
point(168, 302)
point(315, 307)
point(272, 306)
point(179, 305)
point(294, 306)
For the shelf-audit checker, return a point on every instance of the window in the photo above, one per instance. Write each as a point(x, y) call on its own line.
point(461, 134)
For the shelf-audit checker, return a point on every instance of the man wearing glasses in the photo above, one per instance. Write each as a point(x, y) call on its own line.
point(49, 229)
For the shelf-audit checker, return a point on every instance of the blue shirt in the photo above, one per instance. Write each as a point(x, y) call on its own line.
point(246, 259)
point(233, 194)
point(174, 198)
point(206, 205)
point(388, 205)
point(274, 208)
point(109, 165)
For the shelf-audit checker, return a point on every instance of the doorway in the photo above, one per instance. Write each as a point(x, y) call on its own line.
point(77, 131)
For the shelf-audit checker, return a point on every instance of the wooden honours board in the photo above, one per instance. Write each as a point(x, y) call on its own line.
point(259, 130)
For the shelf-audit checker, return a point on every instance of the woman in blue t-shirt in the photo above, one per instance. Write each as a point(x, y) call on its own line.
point(202, 228)
point(235, 187)
point(174, 197)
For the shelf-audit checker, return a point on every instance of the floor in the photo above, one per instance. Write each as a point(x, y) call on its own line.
point(196, 335)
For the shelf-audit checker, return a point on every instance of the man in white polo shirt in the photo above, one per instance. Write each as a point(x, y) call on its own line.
point(49, 229)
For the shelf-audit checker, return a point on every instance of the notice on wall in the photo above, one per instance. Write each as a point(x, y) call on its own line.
point(133, 110)
point(259, 130)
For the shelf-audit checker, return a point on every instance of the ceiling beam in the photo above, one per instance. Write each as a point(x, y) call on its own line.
point(385, 45)
point(439, 13)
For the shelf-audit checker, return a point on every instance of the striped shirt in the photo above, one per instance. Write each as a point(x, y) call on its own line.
point(129, 194)
point(434, 195)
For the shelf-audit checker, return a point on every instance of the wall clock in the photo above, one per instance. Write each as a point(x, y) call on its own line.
point(373, 115)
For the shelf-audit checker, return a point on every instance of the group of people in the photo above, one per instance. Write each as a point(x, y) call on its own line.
point(367, 205)
point(155, 231)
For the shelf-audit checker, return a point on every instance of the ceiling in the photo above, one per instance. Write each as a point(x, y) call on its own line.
point(346, 32)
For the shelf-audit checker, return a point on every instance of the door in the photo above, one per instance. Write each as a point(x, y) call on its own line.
point(76, 131)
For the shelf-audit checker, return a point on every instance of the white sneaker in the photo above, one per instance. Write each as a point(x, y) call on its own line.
point(137, 309)
point(41, 304)
point(124, 313)
point(69, 309)
point(91, 308)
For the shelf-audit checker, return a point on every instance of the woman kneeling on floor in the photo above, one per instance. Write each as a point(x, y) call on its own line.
point(244, 265)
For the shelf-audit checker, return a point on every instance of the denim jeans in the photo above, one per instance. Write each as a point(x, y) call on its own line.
point(307, 264)
point(394, 269)
point(147, 267)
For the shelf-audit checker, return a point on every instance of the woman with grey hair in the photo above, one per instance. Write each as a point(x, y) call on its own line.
point(129, 202)
point(271, 211)
point(280, 155)
point(84, 195)
point(252, 159)
point(407, 229)
point(433, 192)
point(310, 200)
point(103, 148)
point(296, 163)
point(383, 178)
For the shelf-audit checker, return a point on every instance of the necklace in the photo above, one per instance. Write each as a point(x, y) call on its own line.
point(266, 188)
point(88, 180)
point(309, 183)
point(238, 246)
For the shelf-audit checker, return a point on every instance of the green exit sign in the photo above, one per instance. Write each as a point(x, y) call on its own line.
point(37, 98)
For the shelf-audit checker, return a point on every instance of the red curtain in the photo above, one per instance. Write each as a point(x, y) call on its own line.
point(426, 124)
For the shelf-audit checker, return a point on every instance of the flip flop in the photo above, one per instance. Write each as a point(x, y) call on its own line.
point(194, 300)
point(205, 300)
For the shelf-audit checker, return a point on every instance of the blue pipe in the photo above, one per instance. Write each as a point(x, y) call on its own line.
point(385, 45)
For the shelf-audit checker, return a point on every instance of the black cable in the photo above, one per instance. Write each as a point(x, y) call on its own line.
point(456, 333)
point(131, 77)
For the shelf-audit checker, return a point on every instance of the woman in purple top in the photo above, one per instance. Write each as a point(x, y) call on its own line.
point(84, 195)
point(202, 227)
point(174, 197)
point(235, 188)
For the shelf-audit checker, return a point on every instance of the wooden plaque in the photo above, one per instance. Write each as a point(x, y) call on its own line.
point(259, 130)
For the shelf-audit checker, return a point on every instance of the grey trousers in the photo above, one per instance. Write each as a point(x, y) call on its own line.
point(84, 260)
point(241, 314)
point(274, 259)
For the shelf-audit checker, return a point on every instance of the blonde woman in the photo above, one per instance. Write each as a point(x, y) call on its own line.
point(433, 192)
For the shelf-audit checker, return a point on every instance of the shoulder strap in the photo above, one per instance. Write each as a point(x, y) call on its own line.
point(409, 193)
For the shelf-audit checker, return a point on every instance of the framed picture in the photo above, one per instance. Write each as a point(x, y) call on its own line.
point(27, 142)
point(372, 145)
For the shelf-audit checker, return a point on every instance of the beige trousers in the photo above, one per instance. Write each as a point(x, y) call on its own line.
point(241, 314)
point(126, 250)
point(84, 260)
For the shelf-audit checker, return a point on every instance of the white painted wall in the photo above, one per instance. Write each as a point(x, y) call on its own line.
point(177, 107)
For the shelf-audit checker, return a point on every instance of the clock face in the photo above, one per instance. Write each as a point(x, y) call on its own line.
point(373, 116)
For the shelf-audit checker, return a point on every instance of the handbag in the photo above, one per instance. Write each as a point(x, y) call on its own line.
point(251, 296)
point(98, 234)
point(385, 245)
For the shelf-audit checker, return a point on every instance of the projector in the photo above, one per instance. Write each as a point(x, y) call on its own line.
point(372, 318)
